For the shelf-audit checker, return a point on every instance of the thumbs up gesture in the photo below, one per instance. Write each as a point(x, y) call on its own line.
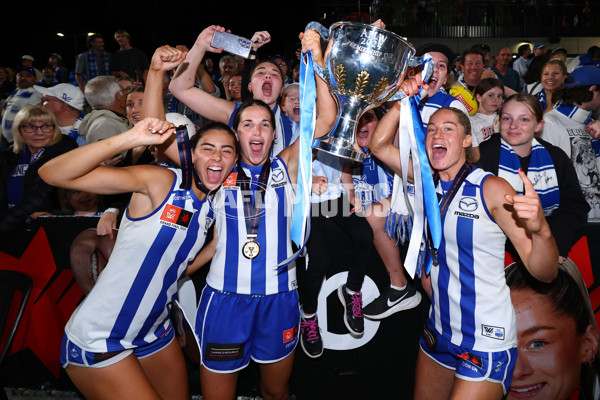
point(527, 205)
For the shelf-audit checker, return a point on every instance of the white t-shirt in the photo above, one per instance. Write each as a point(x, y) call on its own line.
point(483, 127)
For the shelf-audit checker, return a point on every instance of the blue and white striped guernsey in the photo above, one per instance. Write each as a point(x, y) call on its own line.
point(373, 182)
point(129, 305)
point(470, 302)
point(230, 271)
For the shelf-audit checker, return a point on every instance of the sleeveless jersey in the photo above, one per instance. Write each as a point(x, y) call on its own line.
point(285, 131)
point(230, 271)
point(129, 305)
point(470, 302)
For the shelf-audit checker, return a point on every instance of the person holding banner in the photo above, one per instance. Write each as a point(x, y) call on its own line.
point(249, 307)
point(557, 335)
point(468, 352)
point(119, 342)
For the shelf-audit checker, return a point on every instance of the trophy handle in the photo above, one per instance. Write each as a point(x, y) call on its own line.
point(427, 62)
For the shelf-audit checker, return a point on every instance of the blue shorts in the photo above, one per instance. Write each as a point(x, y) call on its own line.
point(470, 365)
point(70, 353)
point(231, 328)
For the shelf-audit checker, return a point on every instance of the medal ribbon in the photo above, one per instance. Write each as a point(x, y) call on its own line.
point(189, 173)
point(251, 211)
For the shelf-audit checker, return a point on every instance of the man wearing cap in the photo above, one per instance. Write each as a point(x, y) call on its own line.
point(539, 49)
point(27, 61)
point(92, 63)
point(24, 95)
point(506, 74)
point(61, 73)
point(66, 102)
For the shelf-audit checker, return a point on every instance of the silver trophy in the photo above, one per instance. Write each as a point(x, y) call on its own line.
point(363, 67)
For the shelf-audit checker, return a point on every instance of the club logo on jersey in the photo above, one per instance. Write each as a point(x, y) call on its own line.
point(176, 217)
point(493, 332)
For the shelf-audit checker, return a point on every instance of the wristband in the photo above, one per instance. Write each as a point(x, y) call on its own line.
point(112, 210)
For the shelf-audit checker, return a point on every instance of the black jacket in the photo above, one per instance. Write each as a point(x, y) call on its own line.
point(37, 194)
point(569, 219)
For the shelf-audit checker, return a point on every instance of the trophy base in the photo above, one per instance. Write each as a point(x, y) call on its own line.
point(338, 150)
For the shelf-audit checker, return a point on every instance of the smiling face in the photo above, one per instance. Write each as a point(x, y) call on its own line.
point(214, 157)
point(550, 350)
point(552, 77)
point(490, 101)
point(440, 72)
point(235, 87)
point(83, 202)
point(134, 107)
point(446, 143)
point(266, 83)
point(473, 68)
point(504, 56)
point(255, 133)
point(518, 125)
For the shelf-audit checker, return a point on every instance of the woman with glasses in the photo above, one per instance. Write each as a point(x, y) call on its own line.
point(37, 139)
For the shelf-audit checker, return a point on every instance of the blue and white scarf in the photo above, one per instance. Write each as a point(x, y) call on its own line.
point(93, 66)
point(541, 95)
point(541, 173)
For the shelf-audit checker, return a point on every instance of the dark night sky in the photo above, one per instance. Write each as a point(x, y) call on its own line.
point(151, 23)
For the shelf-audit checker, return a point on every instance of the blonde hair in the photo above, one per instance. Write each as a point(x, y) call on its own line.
point(33, 114)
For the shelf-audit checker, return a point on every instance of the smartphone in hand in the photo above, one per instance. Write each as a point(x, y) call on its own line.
point(232, 43)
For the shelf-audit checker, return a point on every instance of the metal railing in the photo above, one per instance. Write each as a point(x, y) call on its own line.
point(470, 18)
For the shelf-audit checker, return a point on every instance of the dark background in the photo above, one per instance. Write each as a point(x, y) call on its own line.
point(30, 28)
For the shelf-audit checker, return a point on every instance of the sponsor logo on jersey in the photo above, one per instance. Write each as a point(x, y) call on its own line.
point(473, 359)
point(231, 180)
point(493, 332)
point(176, 217)
point(290, 334)
point(468, 204)
point(224, 351)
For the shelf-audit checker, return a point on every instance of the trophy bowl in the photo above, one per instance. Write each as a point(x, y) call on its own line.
point(363, 66)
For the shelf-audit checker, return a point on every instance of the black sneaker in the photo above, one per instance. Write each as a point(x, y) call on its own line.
point(391, 301)
point(353, 315)
point(310, 337)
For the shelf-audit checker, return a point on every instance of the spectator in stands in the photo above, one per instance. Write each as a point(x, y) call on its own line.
point(127, 60)
point(61, 73)
point(554, 73)
point(489, 94)
point(547, 166)
point(92, 63)
point(25, 95)
point(108, 115)
point(37, 139)
point(66, 102)
point(521, 64)
point(504, 72)
point(565, 127)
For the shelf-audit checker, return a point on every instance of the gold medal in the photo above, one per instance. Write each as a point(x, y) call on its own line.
point(251, 249)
